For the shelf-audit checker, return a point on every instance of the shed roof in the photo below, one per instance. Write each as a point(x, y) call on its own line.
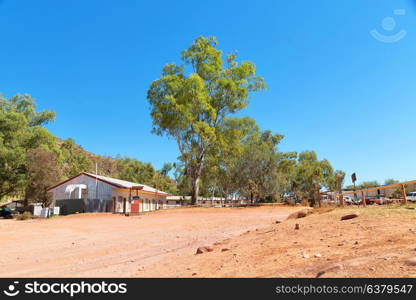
point(118, 183)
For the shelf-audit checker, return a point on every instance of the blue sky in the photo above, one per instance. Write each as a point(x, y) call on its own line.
point(332, 87)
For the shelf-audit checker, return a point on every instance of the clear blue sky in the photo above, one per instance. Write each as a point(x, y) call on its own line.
point(332, 87)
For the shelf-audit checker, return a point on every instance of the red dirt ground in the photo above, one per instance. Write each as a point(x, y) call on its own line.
point(375, 244)
point(163, 244)
point(108, 245)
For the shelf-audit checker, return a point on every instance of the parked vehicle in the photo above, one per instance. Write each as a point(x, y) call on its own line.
point(370, 200)
point(6, 213)
point(349, 200)
point(411, 197)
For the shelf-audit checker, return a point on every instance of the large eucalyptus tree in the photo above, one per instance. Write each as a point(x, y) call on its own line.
point(190, 102)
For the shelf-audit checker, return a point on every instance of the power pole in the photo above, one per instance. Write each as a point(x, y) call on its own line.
point(318, 194)
point(339, 188)
point(354, 179)
point(96, 181)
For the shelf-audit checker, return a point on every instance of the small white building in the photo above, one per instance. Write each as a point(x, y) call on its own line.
point(88, 192)
point(220, 201)
point(177, 201)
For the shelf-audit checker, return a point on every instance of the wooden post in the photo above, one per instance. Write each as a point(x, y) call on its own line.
point(355, 189)
point(363, 198)
point(318, 194)
point(319, 199)
point(404, 194)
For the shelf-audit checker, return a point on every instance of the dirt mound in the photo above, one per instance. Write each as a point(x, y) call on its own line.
point(300, 214)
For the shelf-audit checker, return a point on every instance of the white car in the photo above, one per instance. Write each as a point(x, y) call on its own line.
point(411, 196)
point(349, 200)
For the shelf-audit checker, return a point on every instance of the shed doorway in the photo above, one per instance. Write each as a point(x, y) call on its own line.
point(135, 204)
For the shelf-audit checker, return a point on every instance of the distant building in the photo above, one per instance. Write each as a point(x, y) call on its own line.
point(87, 192)
point(175, 201)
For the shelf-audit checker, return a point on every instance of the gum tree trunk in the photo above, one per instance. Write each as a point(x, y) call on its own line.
point(194, 190)
point(195, 176)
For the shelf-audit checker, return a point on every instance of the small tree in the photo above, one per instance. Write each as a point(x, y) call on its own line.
point(43, 172)
point(310, 175)
point(75, 159)
point(221, 174)
point(191, 108)
point(390, 181)
point(257, 171)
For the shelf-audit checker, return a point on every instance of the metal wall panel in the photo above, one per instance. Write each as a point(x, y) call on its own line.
point(95, 189)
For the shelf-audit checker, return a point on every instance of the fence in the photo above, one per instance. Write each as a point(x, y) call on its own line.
point(398, 192)
point(72, 206)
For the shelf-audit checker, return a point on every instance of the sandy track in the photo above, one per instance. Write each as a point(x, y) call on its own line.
point(107, 245)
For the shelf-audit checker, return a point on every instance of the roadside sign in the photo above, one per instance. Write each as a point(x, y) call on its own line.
point(354, 177)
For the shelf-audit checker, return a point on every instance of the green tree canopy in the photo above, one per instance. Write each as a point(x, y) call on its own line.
point(220, 175)
point(258, 169)
point(191, 107)
point(20, 130)
point(74, 158)
point(390, 181)
point(309, 175)
point(43, 171)
point(131, 169)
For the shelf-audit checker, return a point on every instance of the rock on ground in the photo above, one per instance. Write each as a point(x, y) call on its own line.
point(349, 216)
point(204, 249)
point(330, 268)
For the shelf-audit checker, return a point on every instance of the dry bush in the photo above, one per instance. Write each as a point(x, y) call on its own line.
point(24, 216)
point(300, 214)
point(304, 202)
point(306, 212)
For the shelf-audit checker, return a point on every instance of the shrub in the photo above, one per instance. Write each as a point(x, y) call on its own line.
point(24, 216)
point(304, 202)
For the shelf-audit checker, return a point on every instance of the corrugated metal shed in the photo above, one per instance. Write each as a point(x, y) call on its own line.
point(114, 182)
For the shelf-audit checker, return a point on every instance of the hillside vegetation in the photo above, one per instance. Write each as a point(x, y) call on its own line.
point(32, 159)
